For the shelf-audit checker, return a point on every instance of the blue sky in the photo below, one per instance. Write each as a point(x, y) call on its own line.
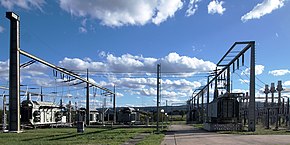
point(127, 38)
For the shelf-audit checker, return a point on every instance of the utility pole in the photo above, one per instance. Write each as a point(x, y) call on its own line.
point(115, 113)
point(287, 113)
point(158, 85)
point(252, 102)
point(166, 110)
point(229, 80)
point(215, 86)
point(202, 106)
point(198, 109)
point(14, 73)
point(267, 91)
point(166, 107)
point(103, 112)
point(207, 99)
point(69, 112)
point(88, 100)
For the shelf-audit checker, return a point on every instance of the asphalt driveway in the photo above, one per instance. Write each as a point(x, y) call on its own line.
point(188, 135)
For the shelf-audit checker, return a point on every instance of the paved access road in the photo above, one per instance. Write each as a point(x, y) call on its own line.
point(187, 135)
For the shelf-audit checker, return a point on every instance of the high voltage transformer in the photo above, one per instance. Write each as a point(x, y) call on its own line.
point(128, 115)
point(224, 109)
point(37, 113)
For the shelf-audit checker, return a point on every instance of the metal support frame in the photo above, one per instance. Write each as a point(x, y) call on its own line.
point(215, 95)
point(252, 102)
point(158, 95)
point(198, 109)
point(41, 96)
point(88, 100)
point(266, 105)
point(224, 65)
point(229, 80)
point(64, 71)
point(202, 106)
point(14, 73)
point(218, 72)
point(114, 105)
point(69, 112)
point(287, 112)
point(207, 100)
point(192, 107)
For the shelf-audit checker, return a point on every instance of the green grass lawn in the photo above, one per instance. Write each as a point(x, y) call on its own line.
point(199, 126)
point(177, 122)
point(68, 136)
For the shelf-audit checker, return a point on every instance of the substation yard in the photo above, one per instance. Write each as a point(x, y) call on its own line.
point(215, 105)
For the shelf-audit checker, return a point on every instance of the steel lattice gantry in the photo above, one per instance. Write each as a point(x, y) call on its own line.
point(223, 67)
point(14, 74)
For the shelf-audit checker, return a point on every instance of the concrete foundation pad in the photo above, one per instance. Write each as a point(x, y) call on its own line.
point(222, 127)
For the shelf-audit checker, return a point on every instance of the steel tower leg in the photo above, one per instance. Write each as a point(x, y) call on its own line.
point(14, 73)
point(88, 100)
point(252, 107)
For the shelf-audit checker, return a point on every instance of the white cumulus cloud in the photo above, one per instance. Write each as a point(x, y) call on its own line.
point(216, 7)
point(259, 69)
point(286, 83)
point(180, 84)
point(25, 4)
point(279, 72)
point(123, 12)
point(173, 62)
point(166, 9)
point(142, 83)
point(264, 8)
point(192, 7)
point(127, 65)
point(4, 70)
point(79, 64)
